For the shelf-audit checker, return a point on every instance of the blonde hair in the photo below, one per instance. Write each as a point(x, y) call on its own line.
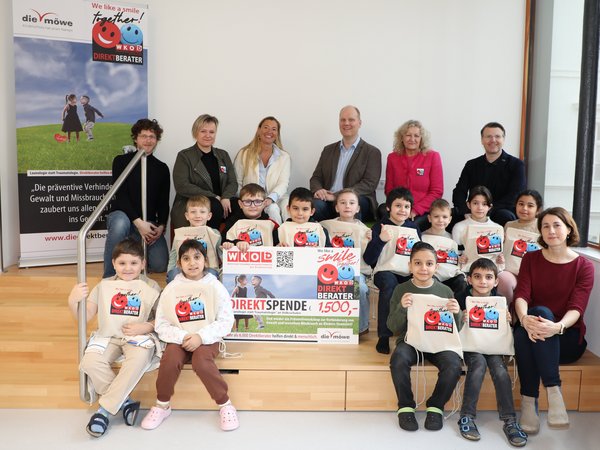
point(400, 132)
point(250, 152)
point(198, 200)
point(201, 120)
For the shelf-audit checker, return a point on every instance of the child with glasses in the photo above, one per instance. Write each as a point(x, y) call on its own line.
point(251, 226)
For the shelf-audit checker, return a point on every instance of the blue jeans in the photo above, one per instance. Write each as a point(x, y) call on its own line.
point(540, 360)
point(120, 227)
point(386, 281)
point(448, 364)
point(364, 305)
point(476, 367)
point(326, 210)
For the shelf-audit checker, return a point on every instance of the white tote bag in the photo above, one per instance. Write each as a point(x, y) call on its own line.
point(483, 241)
point(447, 256)
point(516, 244)
point(431, 327)
point(487, 330)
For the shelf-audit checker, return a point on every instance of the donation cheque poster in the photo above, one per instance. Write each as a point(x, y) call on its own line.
point(80, 83)
point(293, 294)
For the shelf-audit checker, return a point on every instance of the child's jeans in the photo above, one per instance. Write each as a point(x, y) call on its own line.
point(386, 281)
point(476, 367)
point(88, 127)
point(448, 364)
point(119, 227)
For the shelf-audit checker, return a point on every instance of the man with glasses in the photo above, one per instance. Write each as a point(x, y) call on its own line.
point(501, 173)
point(125, 217)
point(349, 163)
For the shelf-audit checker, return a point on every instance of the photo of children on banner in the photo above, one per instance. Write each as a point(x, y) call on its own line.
point(240, 290)
point(90, 117)
point(70, 119)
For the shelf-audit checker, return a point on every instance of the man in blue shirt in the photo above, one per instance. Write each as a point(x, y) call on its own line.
point(349, 163)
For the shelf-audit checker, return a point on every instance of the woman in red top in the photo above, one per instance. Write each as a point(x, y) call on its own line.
point(416, 167)
point(552, 293)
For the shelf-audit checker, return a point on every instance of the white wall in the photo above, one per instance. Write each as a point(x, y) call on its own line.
point(454, 65)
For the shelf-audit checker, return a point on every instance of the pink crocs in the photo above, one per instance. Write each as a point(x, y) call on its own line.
point(155, 417)
point(229, 418)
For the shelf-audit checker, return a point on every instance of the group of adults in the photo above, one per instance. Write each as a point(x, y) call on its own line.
point(549, 309)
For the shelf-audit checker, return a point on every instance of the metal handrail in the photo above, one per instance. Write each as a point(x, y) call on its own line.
point(81, 257)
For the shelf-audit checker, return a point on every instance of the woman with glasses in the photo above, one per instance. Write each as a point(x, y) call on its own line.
point(203, 170)
point(264, 162)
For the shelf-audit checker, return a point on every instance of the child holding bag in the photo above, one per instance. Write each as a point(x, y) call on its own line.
point(422, 265)
point(521, 236)
point(193, 315)
point(483, 279)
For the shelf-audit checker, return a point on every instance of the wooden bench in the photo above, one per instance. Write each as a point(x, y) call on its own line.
point(307, 377)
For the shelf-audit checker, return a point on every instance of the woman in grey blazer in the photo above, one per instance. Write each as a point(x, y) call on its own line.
point(203, 170)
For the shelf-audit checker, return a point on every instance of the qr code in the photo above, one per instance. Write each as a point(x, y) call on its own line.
point(285, 259)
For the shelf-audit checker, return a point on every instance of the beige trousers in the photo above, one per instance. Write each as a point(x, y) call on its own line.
point(115, 388)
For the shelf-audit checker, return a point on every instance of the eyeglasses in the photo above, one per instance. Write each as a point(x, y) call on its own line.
point(151, 137)
point(252, 202)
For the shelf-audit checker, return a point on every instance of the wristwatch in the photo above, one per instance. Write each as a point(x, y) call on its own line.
point(562, 329)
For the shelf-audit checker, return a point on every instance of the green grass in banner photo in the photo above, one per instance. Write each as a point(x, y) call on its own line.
point(39, 150)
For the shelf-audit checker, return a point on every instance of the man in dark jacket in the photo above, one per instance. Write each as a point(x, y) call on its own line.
point(125, 218)
point(501, 173)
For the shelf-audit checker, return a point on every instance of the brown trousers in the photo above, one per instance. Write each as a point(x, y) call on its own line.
point(203, 363)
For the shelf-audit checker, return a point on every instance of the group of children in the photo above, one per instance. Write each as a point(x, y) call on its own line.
point(71, 121)
point(194, 311)
point(437, 265)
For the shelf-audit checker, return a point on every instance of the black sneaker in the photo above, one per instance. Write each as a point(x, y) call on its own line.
point(408, 421)
point(434, 421)
point(383, 345)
